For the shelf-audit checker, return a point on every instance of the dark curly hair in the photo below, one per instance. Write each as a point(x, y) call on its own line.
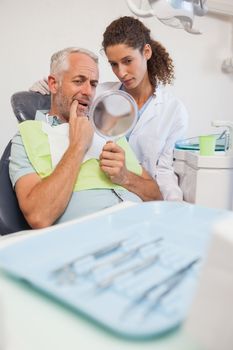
point(133, 33)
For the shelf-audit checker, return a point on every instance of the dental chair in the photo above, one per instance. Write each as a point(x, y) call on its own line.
point(11, 217)
point(24, 105)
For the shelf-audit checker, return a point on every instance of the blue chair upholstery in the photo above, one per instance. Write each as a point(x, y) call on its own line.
point(24, 104)
point(11, 218)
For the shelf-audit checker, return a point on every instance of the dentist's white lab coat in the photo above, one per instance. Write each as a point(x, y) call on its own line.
point(162, 123)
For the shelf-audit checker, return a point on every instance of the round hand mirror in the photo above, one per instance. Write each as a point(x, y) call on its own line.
point(114, 114)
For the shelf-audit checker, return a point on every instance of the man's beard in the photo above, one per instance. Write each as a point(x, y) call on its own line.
point(63, 105)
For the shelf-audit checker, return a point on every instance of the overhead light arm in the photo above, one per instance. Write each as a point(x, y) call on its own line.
point(174, 13)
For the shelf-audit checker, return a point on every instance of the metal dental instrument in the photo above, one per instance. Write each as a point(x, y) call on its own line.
point(171, 286)
point(222, 135)
point(106, 283)
point(116, 260)
point(67, 273)
point(173, 281)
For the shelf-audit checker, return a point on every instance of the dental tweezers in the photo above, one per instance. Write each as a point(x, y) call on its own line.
point(173, 281)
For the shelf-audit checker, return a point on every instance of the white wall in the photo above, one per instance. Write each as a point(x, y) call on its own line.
point(31, 30)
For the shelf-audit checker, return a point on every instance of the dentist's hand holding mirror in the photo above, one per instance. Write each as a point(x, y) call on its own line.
point(114, 115)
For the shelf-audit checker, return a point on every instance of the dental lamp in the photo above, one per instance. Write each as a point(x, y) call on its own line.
point(174, 13)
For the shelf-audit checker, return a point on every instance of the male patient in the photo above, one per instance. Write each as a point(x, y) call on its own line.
point(53, 180)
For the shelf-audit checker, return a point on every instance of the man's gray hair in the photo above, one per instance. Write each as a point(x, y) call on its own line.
point(59, 60)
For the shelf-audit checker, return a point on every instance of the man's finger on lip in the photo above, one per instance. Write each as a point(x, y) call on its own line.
point(74, 106)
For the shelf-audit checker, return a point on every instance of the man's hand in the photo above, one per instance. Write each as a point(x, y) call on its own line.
point(80, 129)
point(112, 162)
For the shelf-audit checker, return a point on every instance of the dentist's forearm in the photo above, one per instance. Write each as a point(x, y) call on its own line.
point(143, 186)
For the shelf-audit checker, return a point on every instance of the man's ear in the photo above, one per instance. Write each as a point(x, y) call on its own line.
point(53, 84)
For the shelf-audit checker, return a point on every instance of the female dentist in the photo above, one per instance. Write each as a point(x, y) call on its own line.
point(144, 67)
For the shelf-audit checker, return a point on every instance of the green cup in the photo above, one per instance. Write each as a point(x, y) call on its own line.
point(207, 145)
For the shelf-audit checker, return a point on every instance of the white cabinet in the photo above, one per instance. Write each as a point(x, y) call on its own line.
point(224, 7)
point(205, 180)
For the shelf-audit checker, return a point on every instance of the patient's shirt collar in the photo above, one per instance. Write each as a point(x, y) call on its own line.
point(52, 120)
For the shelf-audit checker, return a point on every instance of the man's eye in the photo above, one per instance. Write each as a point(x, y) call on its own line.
point(78, 82)
point(113, 64)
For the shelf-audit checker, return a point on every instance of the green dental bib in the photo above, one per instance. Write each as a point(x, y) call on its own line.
point(90, 176)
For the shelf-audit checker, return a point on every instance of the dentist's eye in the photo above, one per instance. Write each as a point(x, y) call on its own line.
point(128, 61)
point(113, 64)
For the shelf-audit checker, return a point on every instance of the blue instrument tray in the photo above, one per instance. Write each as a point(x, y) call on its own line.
point(134, 271)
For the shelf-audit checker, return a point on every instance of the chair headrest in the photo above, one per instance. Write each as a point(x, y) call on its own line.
point(26, 103)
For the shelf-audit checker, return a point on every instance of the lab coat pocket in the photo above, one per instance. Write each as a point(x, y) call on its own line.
point(151, 153)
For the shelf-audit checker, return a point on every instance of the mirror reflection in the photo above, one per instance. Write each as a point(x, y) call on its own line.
point(114, 114)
